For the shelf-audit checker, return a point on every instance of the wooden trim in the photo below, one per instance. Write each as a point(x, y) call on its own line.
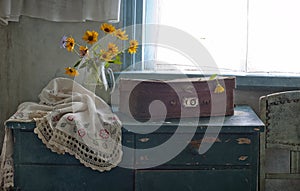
point(282, 176)
point(262, 109)
point(295, 162)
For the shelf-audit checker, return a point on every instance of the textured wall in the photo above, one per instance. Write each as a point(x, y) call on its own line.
point(30, 57)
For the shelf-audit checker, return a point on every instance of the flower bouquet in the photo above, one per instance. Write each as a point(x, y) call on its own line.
point(97, 56)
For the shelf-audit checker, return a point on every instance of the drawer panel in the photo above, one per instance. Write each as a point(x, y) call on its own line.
point(186, 180)
point(70, 178)
point(227, 149)
point(29, 149)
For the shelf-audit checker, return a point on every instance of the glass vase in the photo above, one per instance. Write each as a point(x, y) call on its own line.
point(100, 80)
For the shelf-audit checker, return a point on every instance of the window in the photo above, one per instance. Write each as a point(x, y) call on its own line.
point(274, 40)
point(242, 36)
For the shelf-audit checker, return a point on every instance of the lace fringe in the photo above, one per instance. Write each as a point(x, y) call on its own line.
point(60, 143)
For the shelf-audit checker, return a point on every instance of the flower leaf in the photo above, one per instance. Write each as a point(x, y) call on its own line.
point(77, 63)
point(107, 64)
point(213, 76)
point(117, 60)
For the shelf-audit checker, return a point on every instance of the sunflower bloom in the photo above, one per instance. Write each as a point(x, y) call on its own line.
point(219, 89)
point(107, 28)
point(83, 50)
point(70, 44)
point(110, 53)
point(106, 56)
point(90, 37)
point(132, 49)
point(71, 71)
point(121, 34)
point(133, 43)
point(112, 49)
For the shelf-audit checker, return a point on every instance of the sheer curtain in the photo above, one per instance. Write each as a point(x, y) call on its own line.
point(60, 10)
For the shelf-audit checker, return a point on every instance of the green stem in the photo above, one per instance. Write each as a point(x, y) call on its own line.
point(218, 83)
point(97, 73)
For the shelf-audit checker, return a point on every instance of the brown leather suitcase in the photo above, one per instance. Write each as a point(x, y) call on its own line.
point(187, 97)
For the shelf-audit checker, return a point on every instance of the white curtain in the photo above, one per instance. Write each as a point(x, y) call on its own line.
point(60, 10)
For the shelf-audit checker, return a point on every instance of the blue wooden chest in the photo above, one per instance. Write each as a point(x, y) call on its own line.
point(231, 163)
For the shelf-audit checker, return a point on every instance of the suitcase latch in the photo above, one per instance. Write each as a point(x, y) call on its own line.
point(190, 101)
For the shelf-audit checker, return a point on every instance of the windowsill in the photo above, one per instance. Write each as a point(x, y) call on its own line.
point(266, 81)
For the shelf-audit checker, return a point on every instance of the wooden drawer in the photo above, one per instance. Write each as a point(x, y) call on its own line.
point(187, 180)
point(230, 164)
point(71, 178)
point(227, 150)
point(29, 149)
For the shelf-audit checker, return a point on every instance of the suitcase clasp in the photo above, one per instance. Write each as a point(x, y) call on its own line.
point(190, 101)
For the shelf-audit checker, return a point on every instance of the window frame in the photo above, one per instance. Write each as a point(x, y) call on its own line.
point(133, 14)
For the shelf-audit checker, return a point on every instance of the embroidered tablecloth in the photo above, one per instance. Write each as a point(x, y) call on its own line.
point(69, 119)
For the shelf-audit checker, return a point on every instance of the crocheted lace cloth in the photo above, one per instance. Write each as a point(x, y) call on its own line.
point(69, 118)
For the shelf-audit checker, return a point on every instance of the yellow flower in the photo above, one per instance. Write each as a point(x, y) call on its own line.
point(83, 50)
point(109, 54)
point(133, 43)
point(106, 56)
point(90, 37)
point(112, 49)
point(121, 34)
point(132, 49)
point(70, 43)
point(219, 89)
point(71, 71)
point(107, 28)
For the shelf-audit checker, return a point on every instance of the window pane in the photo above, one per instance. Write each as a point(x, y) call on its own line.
point(221, 26)
point(274, 36)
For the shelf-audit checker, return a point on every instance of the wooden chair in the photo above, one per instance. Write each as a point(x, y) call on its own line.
point(280, 142)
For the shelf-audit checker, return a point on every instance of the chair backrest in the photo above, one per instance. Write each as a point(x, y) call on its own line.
point(281, 114)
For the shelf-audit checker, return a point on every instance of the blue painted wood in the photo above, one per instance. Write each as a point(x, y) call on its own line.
point(230, 164)
point(29, 149)
point(71, 178)
point(24, 126)
point(227, 150)
point(244, 120)
point(36, 167)
point(190, 180)
point(133, 17)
